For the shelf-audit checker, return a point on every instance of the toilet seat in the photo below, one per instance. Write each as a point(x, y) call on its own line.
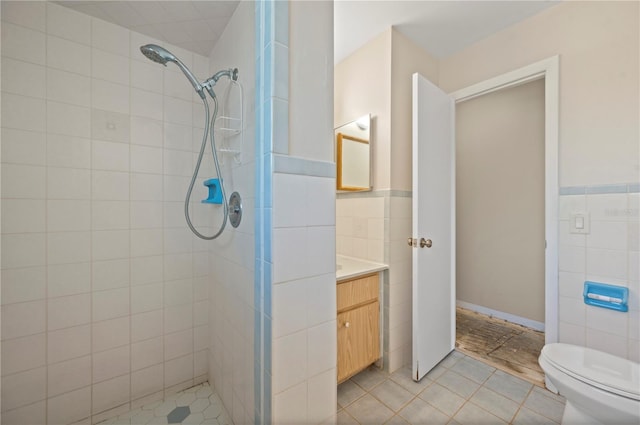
point(601, 370)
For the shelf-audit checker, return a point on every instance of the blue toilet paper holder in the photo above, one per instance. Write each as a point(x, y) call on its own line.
point(606, 296)
point(215, 194)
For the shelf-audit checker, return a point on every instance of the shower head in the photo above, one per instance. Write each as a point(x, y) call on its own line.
point(162, 56)
point(157, 54)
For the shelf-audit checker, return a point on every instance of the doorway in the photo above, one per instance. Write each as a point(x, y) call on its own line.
point(500, 227)
point(430, 129)
point(506, 160)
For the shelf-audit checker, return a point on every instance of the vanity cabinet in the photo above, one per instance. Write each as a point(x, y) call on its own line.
point(358, 324)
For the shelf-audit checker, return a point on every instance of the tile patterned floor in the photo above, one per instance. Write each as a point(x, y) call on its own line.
point(459, 391)
point(205, 407)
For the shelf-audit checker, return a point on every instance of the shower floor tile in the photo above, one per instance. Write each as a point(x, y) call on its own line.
point(196, 405)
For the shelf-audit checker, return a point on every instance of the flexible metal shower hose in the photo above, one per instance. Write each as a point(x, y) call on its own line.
point(208, 130)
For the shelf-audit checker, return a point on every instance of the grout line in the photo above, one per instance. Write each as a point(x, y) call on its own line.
point(129, 59)
point(451, 417)
point(46, 226)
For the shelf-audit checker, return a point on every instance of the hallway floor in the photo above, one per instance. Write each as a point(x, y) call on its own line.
point(506, 346)
point(459, 390)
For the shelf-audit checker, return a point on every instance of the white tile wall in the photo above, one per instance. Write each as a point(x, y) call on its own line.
point(604, 255)
point(304, 303)
point(23, 78)
point(25, 353)
point(375, 229)
point(360, 227)
point(230, 309)
point(98, 300)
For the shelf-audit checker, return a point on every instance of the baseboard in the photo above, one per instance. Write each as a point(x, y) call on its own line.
point(538, 326)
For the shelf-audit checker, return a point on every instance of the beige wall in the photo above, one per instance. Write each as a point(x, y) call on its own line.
point(362, 86)
point(598, 44)
point(406, 59)
point(376, 79)
point(500, 201)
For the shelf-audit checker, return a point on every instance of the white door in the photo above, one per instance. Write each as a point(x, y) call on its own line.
point(433, 226)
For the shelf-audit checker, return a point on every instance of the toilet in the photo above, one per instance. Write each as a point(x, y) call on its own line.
point(600, 388)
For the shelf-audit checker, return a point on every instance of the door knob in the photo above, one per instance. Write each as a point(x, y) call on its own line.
point(425, 242)
point(412, 242)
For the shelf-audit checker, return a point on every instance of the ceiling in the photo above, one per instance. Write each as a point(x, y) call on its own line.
point(192, 25)
point(440, 27)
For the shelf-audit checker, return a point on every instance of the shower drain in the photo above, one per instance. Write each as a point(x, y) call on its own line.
point(179, 414)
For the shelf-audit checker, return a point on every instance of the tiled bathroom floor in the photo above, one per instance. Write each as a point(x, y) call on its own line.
point(196, 405)
point(460, 390)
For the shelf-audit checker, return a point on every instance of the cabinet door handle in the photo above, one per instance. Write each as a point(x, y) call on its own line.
point(347, 324)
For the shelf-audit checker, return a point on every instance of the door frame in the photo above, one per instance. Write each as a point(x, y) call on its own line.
point(549, 70)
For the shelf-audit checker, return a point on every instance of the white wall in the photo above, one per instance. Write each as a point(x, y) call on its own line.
point(303, 385)
point(104, 289)
point(310, 79)
point(231, 259)
point(599, 47)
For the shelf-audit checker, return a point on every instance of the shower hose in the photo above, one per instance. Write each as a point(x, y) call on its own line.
point(208, 130)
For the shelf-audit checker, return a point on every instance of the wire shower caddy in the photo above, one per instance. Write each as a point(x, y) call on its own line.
point(229, 125)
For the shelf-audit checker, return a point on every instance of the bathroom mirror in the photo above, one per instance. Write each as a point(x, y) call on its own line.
point(353, 155)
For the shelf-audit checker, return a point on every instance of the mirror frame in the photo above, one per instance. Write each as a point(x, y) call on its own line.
point(339, 185)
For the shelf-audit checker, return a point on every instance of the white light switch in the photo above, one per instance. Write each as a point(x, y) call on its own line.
point(579, 223)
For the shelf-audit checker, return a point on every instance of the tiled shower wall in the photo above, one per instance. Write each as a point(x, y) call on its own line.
point(104, 289)
point(231, 301)
point(610, 254)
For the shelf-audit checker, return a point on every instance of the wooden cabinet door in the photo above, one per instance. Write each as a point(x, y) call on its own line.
point(358, 339)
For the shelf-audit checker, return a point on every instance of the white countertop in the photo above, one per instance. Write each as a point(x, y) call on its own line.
point(349, 267)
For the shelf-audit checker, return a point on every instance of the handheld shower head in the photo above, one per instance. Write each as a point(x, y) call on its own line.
point(157, 54)
point(162, 56)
